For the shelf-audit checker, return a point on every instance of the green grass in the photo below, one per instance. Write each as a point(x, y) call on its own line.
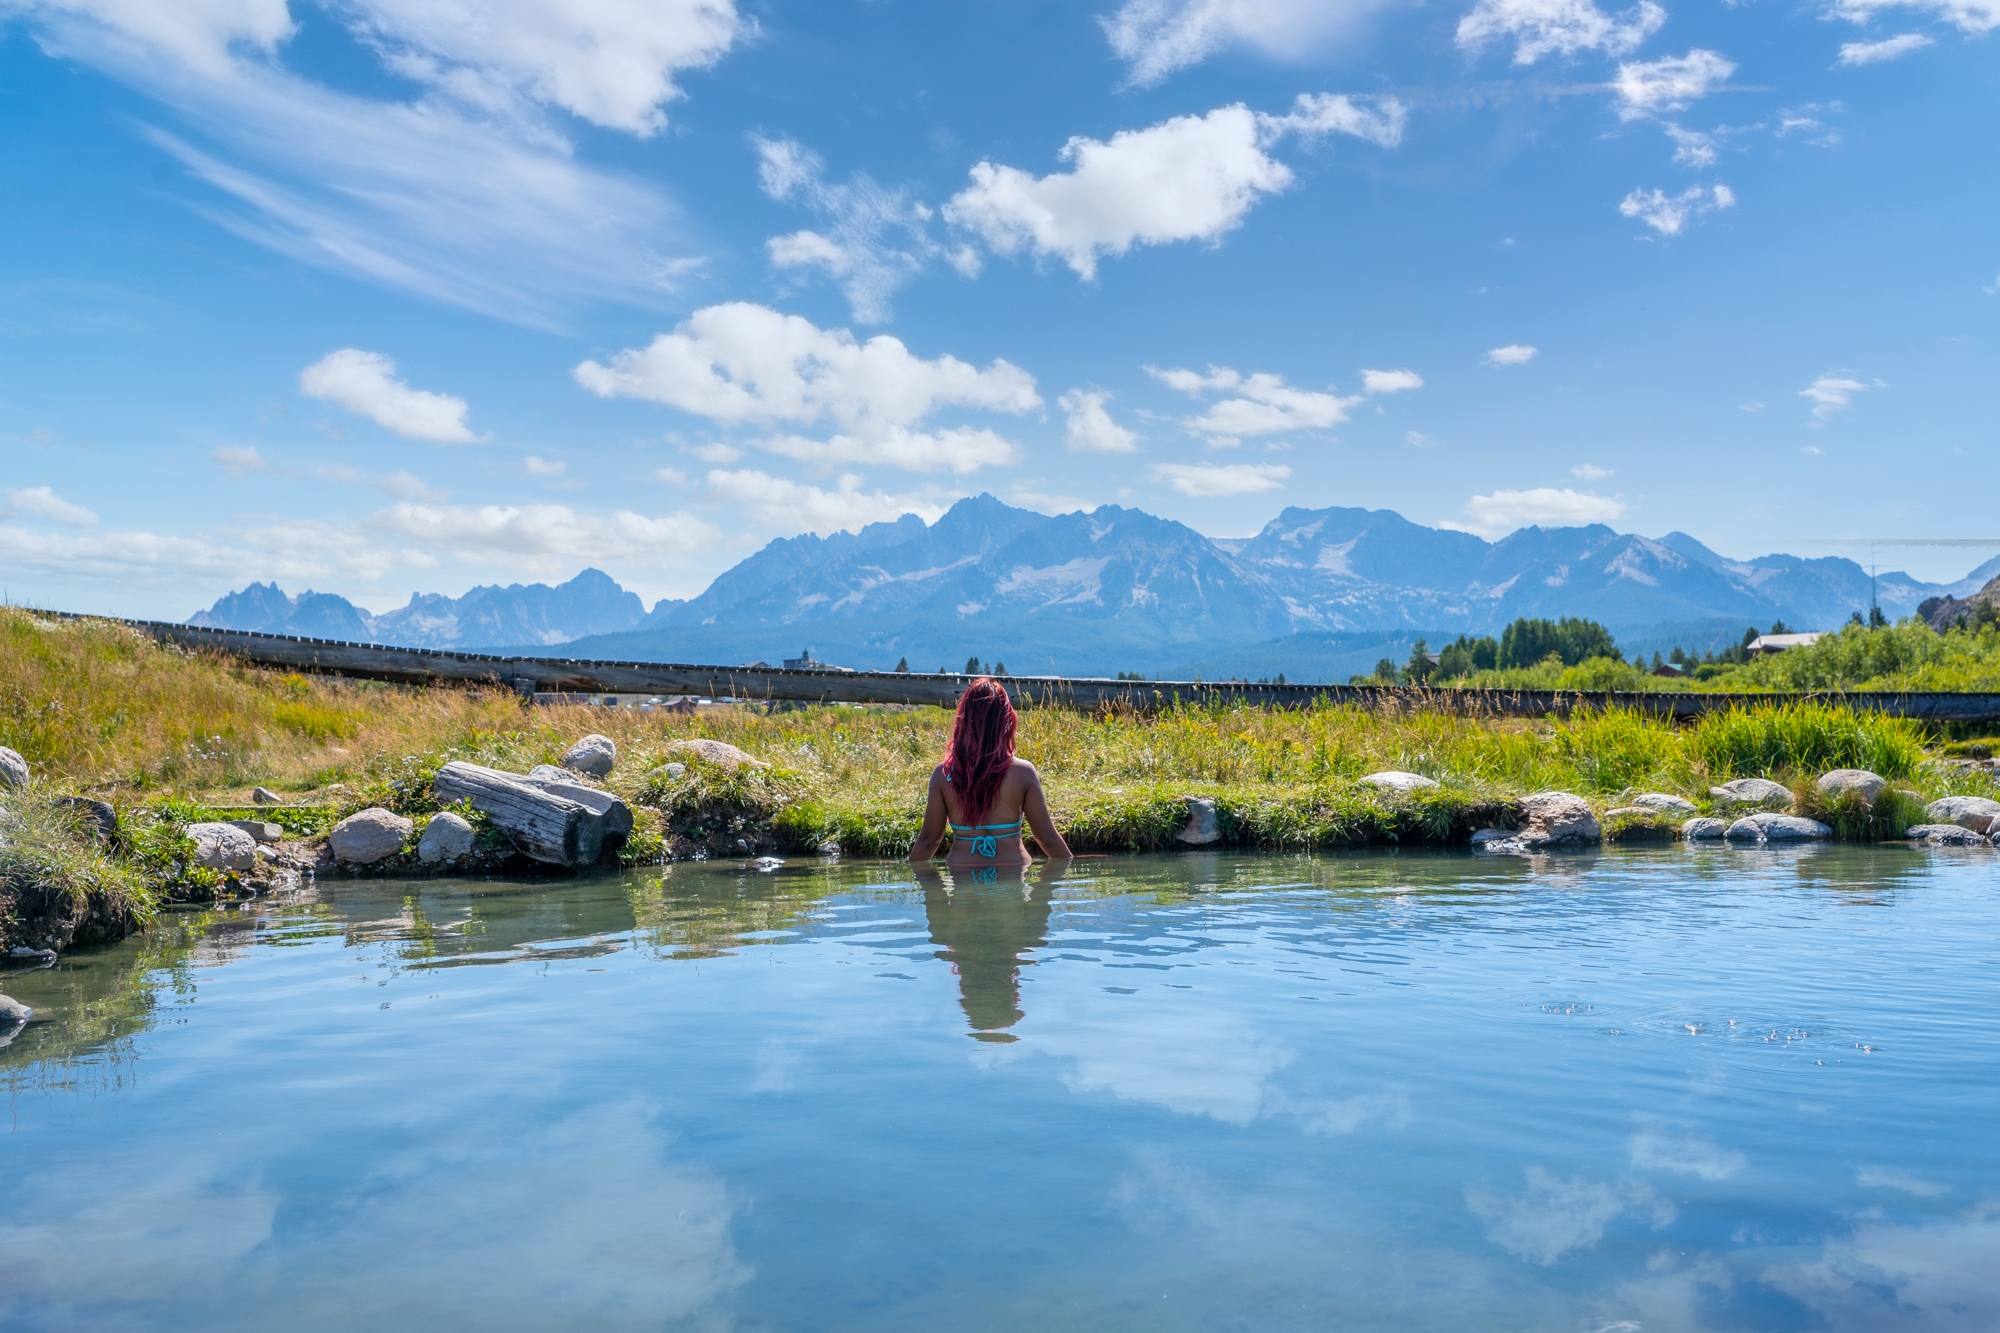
point(172, 737)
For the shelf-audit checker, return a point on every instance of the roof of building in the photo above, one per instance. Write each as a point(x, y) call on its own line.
point(1777, 643)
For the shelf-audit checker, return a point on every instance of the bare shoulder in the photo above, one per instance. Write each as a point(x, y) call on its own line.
point(1023, 771)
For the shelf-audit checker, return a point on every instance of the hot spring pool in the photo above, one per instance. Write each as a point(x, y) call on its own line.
point(1637, 1090)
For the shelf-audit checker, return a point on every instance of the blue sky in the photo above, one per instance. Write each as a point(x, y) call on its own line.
point(395, 295)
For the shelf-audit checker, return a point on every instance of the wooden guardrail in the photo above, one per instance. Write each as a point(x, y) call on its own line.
point(530, 675)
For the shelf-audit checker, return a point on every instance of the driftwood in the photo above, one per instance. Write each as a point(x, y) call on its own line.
point(541, 824)
point(617, 815)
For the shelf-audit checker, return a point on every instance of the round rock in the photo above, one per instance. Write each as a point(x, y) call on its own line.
point(369, 836)
point(13, 768)
point(1945, 835)
point(1202, 827)
point(1752, 791)
point(1397, 781)
point(1770, 827)
point(103, 820)
point(1666, 803)
point(446, 838)
point(222, 847)
point(265, 796)
point(720, 753)
point(1844, 780)
point(595, 755)
point(12, 1012)
point(1703, 830)
point(1553, 817)
point(1974, 812)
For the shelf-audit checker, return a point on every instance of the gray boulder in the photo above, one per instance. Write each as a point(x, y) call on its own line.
point(720, 753)
point(446, 838)
point(369, 836)
point(1703, 830)
point(1202, 826)
point(1666, 803)
point(261, 830)
point(1496, 840)
point(1393, 780)
point(1752, 791)
point(13, 768)
point(1554, 818)
point(1974, 812)
point(595, 755)
point(12, 1012)
point(1945, 835)
point(222, 847)
point(1844, 780)
point(102, 819)
point(550, 773)
point(265, 796)
point(1769, 827)
point(671, 772)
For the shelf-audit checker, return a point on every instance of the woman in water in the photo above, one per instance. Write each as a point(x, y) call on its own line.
point(983, 792)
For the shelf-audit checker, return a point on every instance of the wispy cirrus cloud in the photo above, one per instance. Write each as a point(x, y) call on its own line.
point(471, 192)
point(1158, 38)
point(1889, 48)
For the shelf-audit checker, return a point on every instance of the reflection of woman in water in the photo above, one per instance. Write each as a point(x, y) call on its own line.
point(983, 929)
point(983, 793)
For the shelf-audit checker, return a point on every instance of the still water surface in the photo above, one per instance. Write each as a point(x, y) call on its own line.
point(1650, 1090)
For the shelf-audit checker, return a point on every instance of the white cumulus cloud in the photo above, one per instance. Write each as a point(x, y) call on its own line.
point(1191, 178)
point(741, 363)
point(1091, 429)
point(1558, 27)
point(1513, 354)
point(1504, 511)
point(1156, 38)
point(1971, 16)
point(1212, 479)
point(365, 384)
point(1390, 381)
point(1258, 404)
point(790, 506)
point(1833, 392)
point(1669, 214)
point(45, 503)
point(1671, 83)
point(1889, 48)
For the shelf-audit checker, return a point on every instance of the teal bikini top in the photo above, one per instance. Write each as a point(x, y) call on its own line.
point(986, 837)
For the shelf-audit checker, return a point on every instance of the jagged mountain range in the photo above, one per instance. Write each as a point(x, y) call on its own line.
point(1119, 589)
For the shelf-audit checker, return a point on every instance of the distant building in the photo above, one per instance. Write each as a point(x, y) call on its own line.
point(1766, 644)
point(1669, 669)
point(807, 662)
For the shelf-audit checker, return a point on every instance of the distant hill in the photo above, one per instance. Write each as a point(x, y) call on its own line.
point(1328, 591)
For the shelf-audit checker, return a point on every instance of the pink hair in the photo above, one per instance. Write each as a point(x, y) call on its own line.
point(981, 748)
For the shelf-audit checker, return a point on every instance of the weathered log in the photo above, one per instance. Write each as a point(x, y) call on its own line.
point(541, 824)
point(617, 815)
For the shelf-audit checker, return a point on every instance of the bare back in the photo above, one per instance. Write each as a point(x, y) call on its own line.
point(996, 838)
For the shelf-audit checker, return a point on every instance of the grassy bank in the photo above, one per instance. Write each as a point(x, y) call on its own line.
point(169, 736)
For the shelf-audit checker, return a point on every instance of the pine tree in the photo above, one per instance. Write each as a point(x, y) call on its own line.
point(903, 665)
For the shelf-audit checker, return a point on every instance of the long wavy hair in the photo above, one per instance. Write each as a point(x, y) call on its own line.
point(981, 748)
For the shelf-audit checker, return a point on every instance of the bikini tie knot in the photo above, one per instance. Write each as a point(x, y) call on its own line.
point(986, 845)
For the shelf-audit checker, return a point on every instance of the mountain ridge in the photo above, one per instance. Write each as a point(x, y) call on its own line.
point(1121, 589)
